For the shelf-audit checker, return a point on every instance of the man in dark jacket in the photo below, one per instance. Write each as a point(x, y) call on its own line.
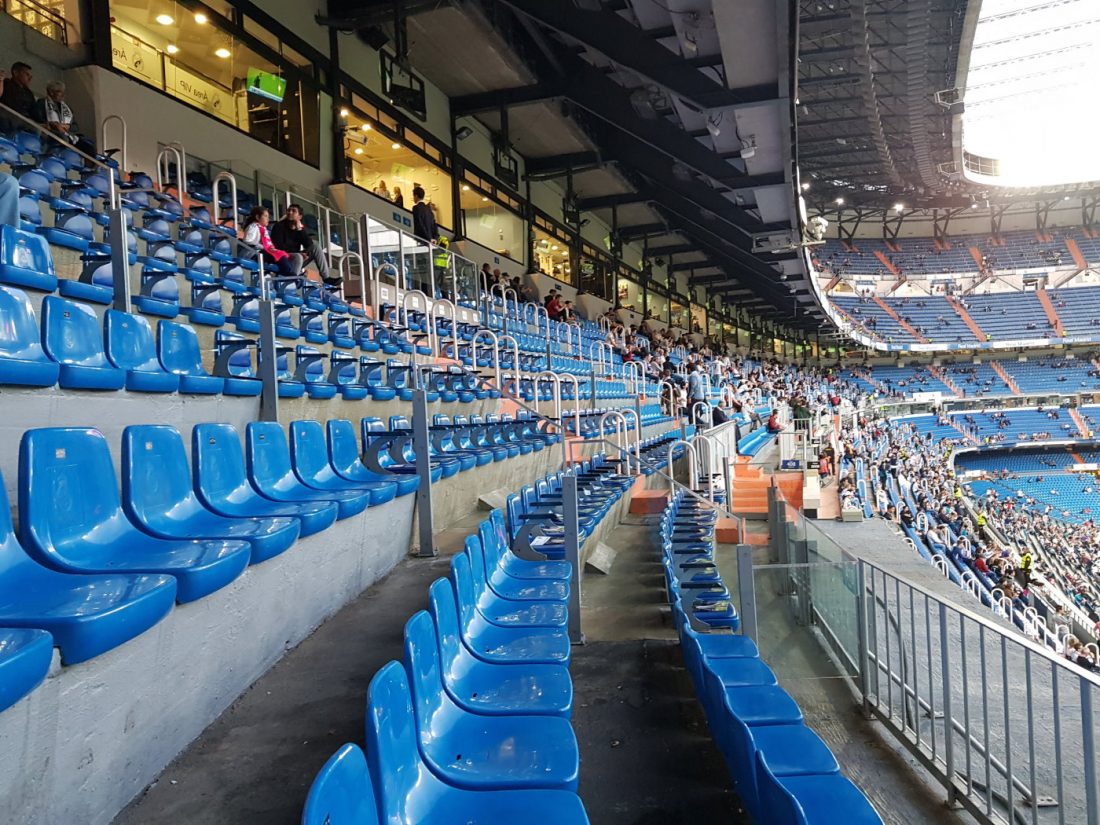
point(290, 235)
point(15, 91)
point(423, 217)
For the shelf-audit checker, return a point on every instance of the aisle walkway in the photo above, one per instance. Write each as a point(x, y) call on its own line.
point(646, 754)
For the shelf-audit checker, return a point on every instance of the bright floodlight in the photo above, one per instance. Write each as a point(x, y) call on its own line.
point(1030, 117)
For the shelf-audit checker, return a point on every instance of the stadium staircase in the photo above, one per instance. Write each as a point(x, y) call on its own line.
point(946, 379)
point(1051, 312)
point(1076, 254)
point(903, 324)
point(968, 319)
point(1008, 379)
point(1082, 427)
point(886, 262)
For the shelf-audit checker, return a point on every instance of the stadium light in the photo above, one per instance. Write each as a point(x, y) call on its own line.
point(899, 207)
point(840, 201)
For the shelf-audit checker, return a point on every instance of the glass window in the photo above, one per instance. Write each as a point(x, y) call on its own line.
point(658, 307)
point(51, 18)
point(629, 295)
point(596, 274)
point(552, 256)
point(488, 223)
point(698, 318)
point(381, 162)
point(190, 53)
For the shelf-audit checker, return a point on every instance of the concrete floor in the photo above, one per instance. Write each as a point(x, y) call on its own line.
point(646, 755)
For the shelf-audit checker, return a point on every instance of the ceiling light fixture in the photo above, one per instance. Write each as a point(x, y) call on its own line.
point(898, 207)
point(840, 201)
point(365, 127)
point(395, 145)
point(165, 19)
point(201, 18)
point(465, 187)
point(805, 186)
point(223, 52)
point(343, 113)
point(172, 48)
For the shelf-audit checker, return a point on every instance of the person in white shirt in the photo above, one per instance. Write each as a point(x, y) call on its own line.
point(54, 114)
point(381, 191)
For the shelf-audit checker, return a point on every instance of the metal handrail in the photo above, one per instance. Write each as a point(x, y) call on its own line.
point(123, 153)
point(229, 178)
point(492, 336)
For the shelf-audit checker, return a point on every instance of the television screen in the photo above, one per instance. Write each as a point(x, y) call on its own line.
point(265, 84)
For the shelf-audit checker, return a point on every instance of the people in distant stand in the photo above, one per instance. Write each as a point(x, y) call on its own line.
point(398, 197)
point(54, 114)
point(381, 191)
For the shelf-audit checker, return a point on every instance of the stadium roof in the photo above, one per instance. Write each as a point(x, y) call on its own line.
point(668, 118)
point(1029, 116)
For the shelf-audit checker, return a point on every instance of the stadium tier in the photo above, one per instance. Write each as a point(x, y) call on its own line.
point(491, 426)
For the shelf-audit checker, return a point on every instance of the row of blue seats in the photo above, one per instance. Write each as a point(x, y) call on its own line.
point(783, 772)
point(755, 441)
point(96, 568)
point(473, 725)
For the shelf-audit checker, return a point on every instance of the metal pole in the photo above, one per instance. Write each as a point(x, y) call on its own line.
point(269, 362)
point(120, 258)
point(422, 448)
point(746, 587)
point(570, 511)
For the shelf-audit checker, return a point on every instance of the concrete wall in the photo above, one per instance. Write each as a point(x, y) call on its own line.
point(85, 743)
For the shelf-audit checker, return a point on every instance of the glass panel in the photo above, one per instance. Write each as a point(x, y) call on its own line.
point(189, 55)
point(491, 225)
point(390, 168)
point(629, 295)
point(466, 281)
point(552, 256)
point(383, 243)
point(419, 272)
point(47, 17)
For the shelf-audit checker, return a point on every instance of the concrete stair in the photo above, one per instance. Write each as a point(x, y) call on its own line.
point(1051, 312)
point(1008, 379)
point(968, 319)
point(905, 325)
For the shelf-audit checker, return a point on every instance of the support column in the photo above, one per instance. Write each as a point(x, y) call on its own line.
point(422, 448)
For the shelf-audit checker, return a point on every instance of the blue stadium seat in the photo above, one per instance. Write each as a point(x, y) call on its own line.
point(25, 260)
point(491, 689)
point(222, 485)
point(494, 541)
point(470, 584)
point(87, 614)
point(157, 496)
point(71, 518)
point(310, 457)
point(25, 657)
point(477, 752)
point(410, 792)
point(73, 337)
point(342, 793)
point(130, 347)
point(499, 586)
point(343, 448)
point(815, 799)
point(179, 353)
point(22, 359)
point(504, 645)
point(271, 472)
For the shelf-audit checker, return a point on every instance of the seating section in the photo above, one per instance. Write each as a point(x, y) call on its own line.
point(473, 724)
point(782, 771)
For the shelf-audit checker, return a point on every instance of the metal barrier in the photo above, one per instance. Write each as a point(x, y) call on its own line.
point(123, 149)
point(492, 336)
point(693, 465)
point(229, 178)
point(1005, 725)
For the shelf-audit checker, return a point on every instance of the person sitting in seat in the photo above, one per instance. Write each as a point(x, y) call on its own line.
point(15, 91)
point(54, 114)
point(286, 264)
point(773, 424)
point(290, 235)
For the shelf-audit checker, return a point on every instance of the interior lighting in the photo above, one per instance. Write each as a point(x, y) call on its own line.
point(165, 19)
point(201, 18)
point(223, 53)
point(465, 187)
point(365, 127)
point(840, 201)
point(343, 113)
point(359, 150)
point(172, 48)
point(898, 207)
point(395, 145)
